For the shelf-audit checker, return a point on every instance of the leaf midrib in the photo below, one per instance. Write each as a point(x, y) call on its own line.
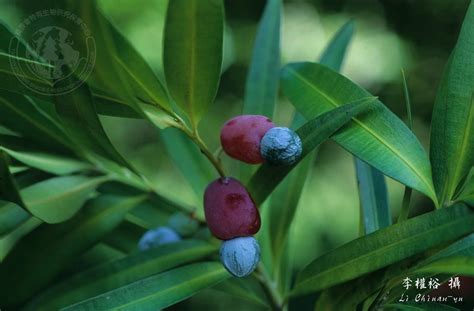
point(164, 292)
point(140, 83)
point(384, 247)
point(71, 191)
point(367, 129)
point(32, 121)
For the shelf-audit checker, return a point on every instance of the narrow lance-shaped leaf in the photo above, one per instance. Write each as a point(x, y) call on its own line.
point(452, 130)
point(107, 75)
point(467, 191)
point(150, 94)
point(313, 133)
point(11, 217)
point(58, 199)
point(21, 115)
point(159, 291)
point(145, 84)
point(405, 210)
point(192, 59)
point(283, 204)
point(457, 265)
point(12, 213)
point(261, 85)
point(51, 163)
point(261, 88)
point(373, 197)
point(381, 140)
point(8, 188)
point(385, 247)
point(334, 54)
point(24, 271)
point(120, 272)
point(8, 241)
point(11, 79)
point(78, 113)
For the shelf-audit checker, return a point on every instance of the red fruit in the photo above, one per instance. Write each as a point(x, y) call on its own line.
point(230, 210)
point(241, 136)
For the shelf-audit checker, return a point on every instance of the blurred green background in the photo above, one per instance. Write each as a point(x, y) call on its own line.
point(416, 35)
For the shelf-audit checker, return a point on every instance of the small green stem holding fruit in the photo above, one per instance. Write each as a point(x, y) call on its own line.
point(205, 150)
point(194, 136)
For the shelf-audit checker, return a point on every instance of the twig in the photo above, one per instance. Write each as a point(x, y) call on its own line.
point(269, 287)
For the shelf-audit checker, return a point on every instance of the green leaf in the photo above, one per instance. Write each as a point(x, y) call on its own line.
point(188, 159)
point(246, 289)
point(461, 265)
point(405, 209)
point(152, 97)
point(283, 204)
point(462, 247)
point(335, 52)
point(261, 87)
point(8, 188)
point(79, 116)
point(39, 257)
point(373, 197)
point(193, 65)
point(452, 130)
point(107, 74)
point(111, 275)
point(380, 139)
point(8, 241)
point(145, 84)
point(58, 199)
point(12, 213)
point(159, 291)
point(110, 106)
point(22, 115)
point(47, 162)
point(10, 78)
point(385, 247)
point(11, 216)
point(313, 133)
point(467, 192)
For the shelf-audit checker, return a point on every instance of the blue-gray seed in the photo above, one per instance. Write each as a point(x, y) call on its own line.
point(240, 256)
point(281, 146)
point(156, 237)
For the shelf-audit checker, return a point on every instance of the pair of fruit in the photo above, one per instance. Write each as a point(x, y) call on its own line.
point(230, 211)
